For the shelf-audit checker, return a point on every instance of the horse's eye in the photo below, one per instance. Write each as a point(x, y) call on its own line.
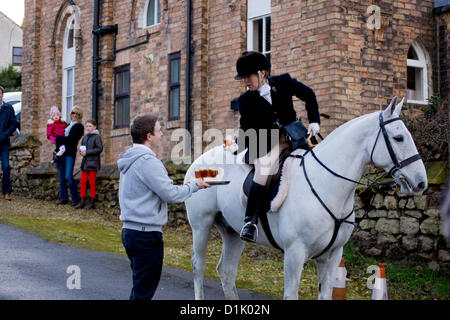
point(398, 138)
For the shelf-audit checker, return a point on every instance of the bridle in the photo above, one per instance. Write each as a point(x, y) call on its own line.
point(396, 168)
point(397, 165)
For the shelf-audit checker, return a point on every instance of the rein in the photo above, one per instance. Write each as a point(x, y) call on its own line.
point(397, 166)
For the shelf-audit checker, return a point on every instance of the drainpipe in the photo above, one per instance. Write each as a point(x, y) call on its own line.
point(95, 49)
point(97, 32)
point(188, 70)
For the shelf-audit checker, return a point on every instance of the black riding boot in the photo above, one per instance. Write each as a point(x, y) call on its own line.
point(255, 199)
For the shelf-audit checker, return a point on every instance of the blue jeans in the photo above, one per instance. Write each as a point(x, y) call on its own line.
point(145, 251)
point(6, 170)
point(65, 174)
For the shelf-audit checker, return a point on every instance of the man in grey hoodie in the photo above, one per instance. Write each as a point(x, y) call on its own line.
point(144, 191)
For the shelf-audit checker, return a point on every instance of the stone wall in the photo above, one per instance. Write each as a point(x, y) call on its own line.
point(40, 180)
point(398, 226)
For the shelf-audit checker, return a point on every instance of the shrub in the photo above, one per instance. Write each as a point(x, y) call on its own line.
point(430, 129)
point(10, 79)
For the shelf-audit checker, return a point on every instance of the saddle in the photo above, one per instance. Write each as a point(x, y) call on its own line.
point(273, 182)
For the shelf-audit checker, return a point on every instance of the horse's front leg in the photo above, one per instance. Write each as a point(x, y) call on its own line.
point(326, 272)
point(200, 235)
point(294, 259)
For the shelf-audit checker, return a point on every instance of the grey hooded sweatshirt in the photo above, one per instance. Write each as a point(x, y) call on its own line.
point(145, 189)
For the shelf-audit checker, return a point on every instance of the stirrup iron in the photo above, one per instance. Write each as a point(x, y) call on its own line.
point(255, 235)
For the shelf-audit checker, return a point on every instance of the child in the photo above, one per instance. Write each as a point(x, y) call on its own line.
point(56, 127)
point(90, 149)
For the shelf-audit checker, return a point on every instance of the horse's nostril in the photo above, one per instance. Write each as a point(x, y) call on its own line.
point(421, 185)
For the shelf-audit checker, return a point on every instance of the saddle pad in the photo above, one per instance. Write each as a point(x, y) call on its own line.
point(282, 191)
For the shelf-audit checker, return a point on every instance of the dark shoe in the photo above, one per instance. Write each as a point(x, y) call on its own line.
point(62, 202)
point(90, 204)
point(80, 204)
point(74, 204)
point(8, 197)
point(249, 232)
point(256, 197)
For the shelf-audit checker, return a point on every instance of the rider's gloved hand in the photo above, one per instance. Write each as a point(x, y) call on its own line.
point(314, 127)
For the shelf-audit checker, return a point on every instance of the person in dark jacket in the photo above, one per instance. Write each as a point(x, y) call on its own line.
point(90, 149)
point(264, 107)
point(7, 127)
point(73, 134)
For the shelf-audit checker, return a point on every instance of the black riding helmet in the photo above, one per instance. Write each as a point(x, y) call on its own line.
point(251, 62)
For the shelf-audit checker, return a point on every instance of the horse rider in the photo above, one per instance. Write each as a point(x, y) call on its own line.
point(265, 106)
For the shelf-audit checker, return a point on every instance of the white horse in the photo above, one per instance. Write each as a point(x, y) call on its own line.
point(302, 227)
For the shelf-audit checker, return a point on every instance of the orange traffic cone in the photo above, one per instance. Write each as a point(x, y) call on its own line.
point(380, 288)
point(339, 292)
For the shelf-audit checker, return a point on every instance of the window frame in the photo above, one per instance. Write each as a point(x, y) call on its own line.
point(69, 80)
point(258, 10)
point(155, 15)
point(122, 95)
point(174, 85)
point(68, 63)
point(251, 40)
point(16, 55)
point(420, 63)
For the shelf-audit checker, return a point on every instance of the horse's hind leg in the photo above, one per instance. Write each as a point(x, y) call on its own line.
point(200, 233)
point(228, 264)
point(326, 272)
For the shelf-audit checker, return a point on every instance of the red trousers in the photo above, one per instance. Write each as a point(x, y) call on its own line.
point(83, 183)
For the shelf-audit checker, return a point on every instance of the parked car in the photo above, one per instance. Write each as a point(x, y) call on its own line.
point(15, 99)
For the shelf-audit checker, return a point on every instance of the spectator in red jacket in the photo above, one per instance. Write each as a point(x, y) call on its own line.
point(56, 127)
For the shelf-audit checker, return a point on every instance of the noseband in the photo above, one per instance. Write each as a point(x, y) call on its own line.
point(397, 165)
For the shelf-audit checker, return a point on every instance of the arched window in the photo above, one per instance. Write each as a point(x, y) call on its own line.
point(417, 74)
point(68, 65)
point(152, 13)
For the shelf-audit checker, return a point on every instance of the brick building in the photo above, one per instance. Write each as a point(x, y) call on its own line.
point(356, 55)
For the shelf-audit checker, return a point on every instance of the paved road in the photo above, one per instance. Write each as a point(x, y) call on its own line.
point(34, 269)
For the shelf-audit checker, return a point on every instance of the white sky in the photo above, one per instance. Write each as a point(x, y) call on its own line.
point(14, 9)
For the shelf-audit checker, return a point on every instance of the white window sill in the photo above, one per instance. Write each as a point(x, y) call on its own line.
point(424, 103)
point(152, 29)
point(120, 132)
point(173, 124)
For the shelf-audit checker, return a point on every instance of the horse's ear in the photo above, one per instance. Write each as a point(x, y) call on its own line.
point(398, 108)
point(390, 110)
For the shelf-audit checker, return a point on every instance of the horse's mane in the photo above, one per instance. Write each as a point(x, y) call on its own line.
point(345, 125)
